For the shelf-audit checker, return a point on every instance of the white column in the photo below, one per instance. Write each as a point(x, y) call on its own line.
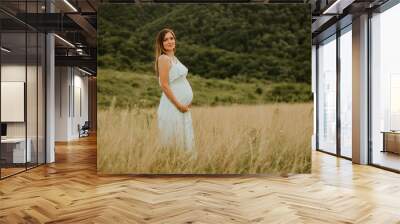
point(360, 90)
point(50, 110)
point(62, 102)
point(50, 92)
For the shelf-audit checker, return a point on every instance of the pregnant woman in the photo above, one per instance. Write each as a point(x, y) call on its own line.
point(174, 118)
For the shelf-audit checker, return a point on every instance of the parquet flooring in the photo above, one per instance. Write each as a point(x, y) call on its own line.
point(70, 191)
point(10, 171)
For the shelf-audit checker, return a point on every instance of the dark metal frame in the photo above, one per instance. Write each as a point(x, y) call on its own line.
point(0, 88)
point(37, 91)
point(340, 32)
point(338, 153)
point(369, 90)
point(338, 98)
point(197, 1)
point(44, 74)
point(45, 92)
point(26, 88)
point(317, 84)
point(316, 97)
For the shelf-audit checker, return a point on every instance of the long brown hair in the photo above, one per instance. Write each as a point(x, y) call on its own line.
point(159, 48)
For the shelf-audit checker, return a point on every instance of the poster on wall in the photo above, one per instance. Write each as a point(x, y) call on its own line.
point(204, 89)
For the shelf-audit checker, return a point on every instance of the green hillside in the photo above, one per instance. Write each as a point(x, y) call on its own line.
point(132, 89)
point(215, 41)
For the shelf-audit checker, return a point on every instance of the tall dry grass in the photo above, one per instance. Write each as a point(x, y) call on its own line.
point(238, 139)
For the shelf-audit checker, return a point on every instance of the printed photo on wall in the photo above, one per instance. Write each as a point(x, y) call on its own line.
point(204, 89)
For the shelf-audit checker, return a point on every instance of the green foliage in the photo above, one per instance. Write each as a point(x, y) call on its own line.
point(289, 92)
point(268, 42)
point(134, 89)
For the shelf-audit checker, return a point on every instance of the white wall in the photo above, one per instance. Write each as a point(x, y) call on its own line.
point(80, 110)
point(13, 101)
point(13, 72)
point(71, 94)
point(33, 126)
point(62, 81)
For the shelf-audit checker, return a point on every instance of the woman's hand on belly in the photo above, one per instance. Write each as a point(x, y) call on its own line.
point(183, 108)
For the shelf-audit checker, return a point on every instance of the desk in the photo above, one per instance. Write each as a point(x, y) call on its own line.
point(391, 141)
point(15, 148)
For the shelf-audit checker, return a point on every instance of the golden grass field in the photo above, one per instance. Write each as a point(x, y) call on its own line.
point(237, 139)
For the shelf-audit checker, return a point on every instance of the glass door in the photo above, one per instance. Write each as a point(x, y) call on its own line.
point(346, 75)
point(327, 95)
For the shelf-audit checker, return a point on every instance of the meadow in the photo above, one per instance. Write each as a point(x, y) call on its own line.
point(229, 139)
point(130, 89)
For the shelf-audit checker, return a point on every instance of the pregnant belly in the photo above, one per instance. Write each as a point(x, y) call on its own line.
point(182, 91)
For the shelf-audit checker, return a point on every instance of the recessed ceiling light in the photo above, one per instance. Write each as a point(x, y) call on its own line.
point(337, 7)
point(86, 72)
point(5, 50)
point(64, 40)
point(70, 5)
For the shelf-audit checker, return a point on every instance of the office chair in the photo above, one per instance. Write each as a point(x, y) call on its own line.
point(84, 130)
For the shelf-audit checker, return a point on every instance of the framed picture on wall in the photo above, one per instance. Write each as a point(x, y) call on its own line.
point(12, 101)
point(204, 89)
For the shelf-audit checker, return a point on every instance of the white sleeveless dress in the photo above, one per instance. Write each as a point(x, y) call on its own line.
point(175, 127)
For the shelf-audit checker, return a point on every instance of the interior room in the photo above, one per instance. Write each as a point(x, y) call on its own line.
point(48, 150)
point(46, 81)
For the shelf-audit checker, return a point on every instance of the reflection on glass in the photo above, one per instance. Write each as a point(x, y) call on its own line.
point(41, 99)
point(395, 102)
point(327, 96)
point(14, 153)
point(22, 90)
point(346, 94)
point(31, 100)
point(385, 88)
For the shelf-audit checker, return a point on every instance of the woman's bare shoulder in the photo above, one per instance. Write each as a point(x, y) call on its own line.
point(163, 58)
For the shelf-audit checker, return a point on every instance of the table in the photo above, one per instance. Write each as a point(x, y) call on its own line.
point(13, 150)
point(391, 141)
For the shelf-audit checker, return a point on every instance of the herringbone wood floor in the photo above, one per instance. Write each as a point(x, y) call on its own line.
point(70, 191)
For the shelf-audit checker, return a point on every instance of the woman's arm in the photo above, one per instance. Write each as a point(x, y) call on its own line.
point(163, 71)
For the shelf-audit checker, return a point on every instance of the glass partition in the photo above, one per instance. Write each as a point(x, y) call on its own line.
point(22, 77)
point(385, 89)
point(41, 87)
point(346, 92)
point(14, 154)
point(32, 95)
point(327, 95)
